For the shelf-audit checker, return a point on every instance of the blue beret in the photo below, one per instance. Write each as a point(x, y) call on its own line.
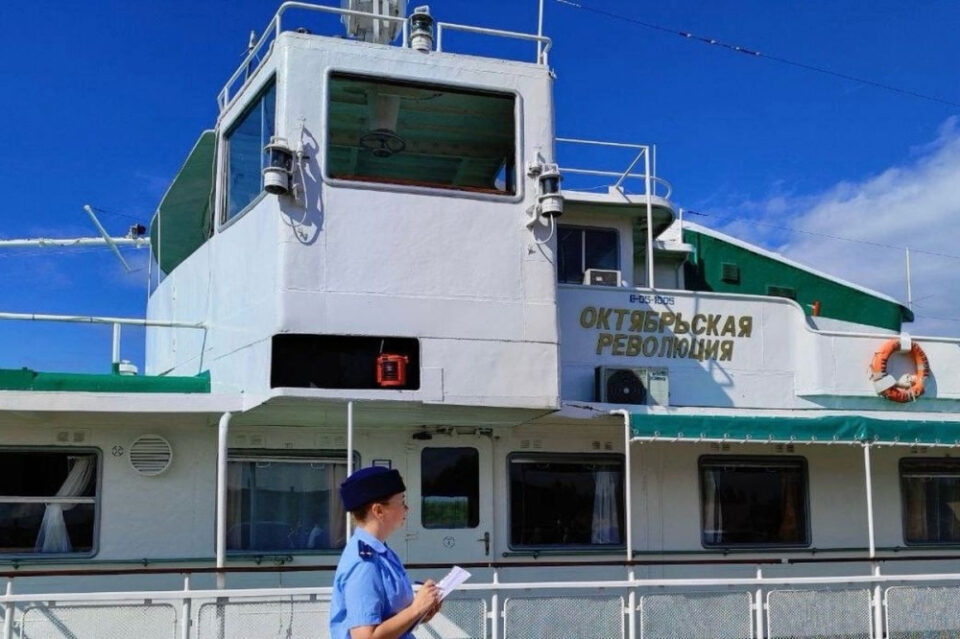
point(370, 484)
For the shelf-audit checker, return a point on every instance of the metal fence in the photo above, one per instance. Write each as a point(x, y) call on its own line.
point(867, 607)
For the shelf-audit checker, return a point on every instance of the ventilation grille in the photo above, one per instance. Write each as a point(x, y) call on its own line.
point(150, 455)
point(782, 291)
point(729, 273)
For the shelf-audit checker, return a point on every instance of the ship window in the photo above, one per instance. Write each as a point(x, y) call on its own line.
point(245, 156)
point(930, 490)
point(48, 501)
point(450, 487)
point(421, 135)
point(282, 502)
point(566, 501)
point(754, 501)
point(583, 248)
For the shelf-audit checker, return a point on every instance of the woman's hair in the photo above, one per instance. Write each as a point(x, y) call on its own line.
point(360, 514)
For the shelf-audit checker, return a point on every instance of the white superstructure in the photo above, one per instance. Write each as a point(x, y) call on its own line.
point(621, 424)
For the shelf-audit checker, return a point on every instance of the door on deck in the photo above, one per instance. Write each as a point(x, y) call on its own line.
point(449, 492)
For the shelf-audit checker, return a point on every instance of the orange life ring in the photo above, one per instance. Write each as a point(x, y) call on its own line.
point(900, 392)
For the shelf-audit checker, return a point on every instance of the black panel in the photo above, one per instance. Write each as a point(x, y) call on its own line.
point(337, 361)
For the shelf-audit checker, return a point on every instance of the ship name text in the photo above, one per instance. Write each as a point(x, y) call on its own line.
point(629, 333)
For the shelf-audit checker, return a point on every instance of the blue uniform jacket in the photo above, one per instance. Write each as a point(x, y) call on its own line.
point(370, 586)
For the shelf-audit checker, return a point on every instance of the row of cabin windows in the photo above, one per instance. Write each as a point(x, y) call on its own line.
point(391, 132)
point(49, 500)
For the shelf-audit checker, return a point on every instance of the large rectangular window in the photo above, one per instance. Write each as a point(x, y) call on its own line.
point(450, 487)
point(582, 248)
point(245, 156)
point(566, 501)
point(48, 501)
point(754, 501)
point(421, 135)
point(282, 502)
point(930, 490)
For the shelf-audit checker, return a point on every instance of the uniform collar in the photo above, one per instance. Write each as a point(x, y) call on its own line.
point(370, 540)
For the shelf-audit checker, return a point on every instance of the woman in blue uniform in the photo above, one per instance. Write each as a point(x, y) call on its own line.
point(372, 597)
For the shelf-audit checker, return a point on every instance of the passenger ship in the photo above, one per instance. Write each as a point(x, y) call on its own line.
point(622, 424)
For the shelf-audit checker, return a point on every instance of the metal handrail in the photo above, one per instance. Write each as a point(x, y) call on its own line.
point(622, 176)
point(497, 586)
point(539, 39)
point(657, 180)
point(275, 28)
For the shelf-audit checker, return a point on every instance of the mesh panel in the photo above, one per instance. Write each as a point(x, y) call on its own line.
point(290, 618)
point(101, 621)
point(721, 616)
point(923, 613)
point(552, 617)
point(819, 614)
point(458, 619)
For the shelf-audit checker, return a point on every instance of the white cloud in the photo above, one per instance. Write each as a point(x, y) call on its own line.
point(914, 204)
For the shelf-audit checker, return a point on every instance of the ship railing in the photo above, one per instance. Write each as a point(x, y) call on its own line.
point(870, 606)
point(644, 156)
point(116, 323)
point(260, 51)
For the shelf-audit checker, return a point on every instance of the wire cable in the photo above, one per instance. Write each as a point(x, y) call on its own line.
point(757, 54)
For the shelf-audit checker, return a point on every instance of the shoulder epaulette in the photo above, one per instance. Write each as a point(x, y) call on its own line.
point(365, 550)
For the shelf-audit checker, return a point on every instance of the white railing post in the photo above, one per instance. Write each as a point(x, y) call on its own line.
point(631, 608)
point(349, 459)
point(649, 202)
point(185, 609)
point(869, 487)
point(115, 354)
point(758, 605)
point(495, 608)
point(8, 611)
point(223, 432)
point(877, 605)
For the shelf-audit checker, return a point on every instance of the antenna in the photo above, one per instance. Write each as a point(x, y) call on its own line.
point(106, 236)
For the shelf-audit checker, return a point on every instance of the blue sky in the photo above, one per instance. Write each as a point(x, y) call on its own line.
point(102, 101)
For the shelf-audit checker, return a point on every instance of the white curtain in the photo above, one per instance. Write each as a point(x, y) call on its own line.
point(605, 526)
point(53, 536)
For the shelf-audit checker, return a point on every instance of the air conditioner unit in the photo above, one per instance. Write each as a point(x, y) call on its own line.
point(601, 277)
point(643, 386)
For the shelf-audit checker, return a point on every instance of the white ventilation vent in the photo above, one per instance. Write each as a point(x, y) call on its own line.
point(150, 455)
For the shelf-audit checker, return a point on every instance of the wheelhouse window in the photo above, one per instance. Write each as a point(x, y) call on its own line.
point(48, 501)
point(754, 501)
point(450, 487)
point(421, 135)
point(565, 501)
point(246, 159)
point(930, 490)
point(282, 502)
point(584, 248)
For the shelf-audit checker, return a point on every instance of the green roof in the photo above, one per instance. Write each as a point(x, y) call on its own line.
point(184, 220)
point(24, 379)
point(724, 265)
point(825, 429)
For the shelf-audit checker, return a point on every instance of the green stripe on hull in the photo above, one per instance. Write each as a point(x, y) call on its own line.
point(25, 379)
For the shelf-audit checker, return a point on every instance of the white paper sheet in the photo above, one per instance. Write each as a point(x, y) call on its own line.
point(452, 581)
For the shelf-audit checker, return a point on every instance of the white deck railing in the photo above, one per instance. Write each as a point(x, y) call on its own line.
point(872, 607)
point(260, 51)
point(646, 156)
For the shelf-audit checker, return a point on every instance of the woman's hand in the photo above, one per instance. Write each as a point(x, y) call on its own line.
point(433, 611)
point(427, 598)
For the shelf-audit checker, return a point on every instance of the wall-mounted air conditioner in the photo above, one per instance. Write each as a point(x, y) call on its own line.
point(644, 386)
point(601, 277)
